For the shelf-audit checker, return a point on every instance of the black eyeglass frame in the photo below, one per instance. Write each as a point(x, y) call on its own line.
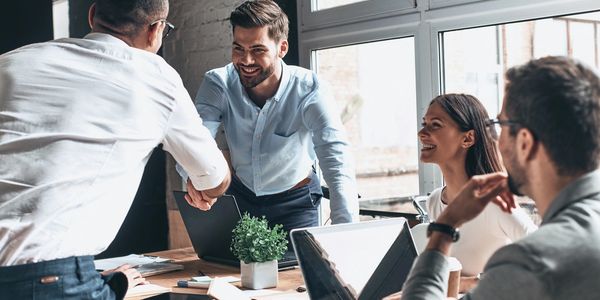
point(168, 28)
point(489, 123)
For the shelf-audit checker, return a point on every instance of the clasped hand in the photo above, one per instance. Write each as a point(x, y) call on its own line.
point(198, 199)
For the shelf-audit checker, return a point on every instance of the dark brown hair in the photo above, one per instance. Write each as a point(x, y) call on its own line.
point(558, 100)
point(129, 16)
point(259, 13)
point(469, 114)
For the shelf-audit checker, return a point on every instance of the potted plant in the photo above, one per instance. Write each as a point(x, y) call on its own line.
point(258, 248)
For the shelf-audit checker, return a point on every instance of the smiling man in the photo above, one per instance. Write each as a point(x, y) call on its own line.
point(277, 122)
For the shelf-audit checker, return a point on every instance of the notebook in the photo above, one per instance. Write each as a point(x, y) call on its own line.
point(367, 260)
point(211, 231)
point(146, 265)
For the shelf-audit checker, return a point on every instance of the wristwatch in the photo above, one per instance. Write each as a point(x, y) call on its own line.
point(443, 228)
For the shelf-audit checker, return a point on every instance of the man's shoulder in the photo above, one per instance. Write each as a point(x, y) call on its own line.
point(302, 76)
point(223, 76)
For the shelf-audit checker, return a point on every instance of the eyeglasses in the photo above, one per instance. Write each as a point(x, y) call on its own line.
point(168, 28)
point(494, 126)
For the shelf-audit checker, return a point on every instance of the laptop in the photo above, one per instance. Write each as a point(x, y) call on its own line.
point(211, 231)
point(367, 260)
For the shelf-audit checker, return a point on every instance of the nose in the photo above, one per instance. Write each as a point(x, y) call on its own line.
point(423, 132)
point(247, 58)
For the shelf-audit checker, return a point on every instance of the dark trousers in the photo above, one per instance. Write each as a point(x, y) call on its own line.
point(67, 278)
point(294, 208)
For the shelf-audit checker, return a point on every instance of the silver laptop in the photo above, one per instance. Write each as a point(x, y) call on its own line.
point(367, 260)
point(211, 231)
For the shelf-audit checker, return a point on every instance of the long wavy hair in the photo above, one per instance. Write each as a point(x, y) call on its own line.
point(469, 114)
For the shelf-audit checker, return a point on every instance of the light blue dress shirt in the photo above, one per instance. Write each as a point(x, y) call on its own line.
point(273, 148)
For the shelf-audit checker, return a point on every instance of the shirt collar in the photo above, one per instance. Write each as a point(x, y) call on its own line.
point(104, 37)
point(285, 79)
point(581, 188)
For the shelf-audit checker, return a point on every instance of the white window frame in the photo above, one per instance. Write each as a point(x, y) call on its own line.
point(379, 20)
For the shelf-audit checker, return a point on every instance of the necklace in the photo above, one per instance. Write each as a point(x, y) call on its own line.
point(443, 196)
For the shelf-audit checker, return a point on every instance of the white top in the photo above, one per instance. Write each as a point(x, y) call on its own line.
point(79, 119)
point(482, 236)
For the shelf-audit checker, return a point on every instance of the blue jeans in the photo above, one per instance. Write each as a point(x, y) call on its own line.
point(67, 278)
point(294, 208)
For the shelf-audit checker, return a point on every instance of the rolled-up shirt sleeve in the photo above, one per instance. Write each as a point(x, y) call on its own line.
point(193, 146)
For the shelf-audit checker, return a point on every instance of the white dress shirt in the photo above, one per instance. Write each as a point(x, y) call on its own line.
point(79, 119)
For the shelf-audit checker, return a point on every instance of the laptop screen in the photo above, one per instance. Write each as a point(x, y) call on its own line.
point(359, 261)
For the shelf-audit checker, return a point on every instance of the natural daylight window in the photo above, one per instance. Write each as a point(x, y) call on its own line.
point(474, 60)
point(60, 18)
point(374, 87)
point(325, 4)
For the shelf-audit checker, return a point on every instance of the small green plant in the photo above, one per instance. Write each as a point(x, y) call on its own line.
point(254, 241)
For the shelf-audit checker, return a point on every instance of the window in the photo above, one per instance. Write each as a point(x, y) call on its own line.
point(60, 18)
point(474, 60)
point(325, 4)
point(374, 87)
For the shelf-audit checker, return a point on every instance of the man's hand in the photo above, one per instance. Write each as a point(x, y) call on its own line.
point(133, 276)
point(199, 199)
point(474, 197)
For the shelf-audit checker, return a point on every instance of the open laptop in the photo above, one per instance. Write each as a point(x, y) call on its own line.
point(211, 231)
point(367, 260)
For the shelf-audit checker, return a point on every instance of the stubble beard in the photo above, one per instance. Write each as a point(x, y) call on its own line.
point(256, 80)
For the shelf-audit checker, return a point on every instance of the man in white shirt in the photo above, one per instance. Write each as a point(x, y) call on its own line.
point(79, 119)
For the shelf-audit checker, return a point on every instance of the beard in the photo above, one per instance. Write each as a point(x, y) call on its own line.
point(251, 82)
point(514, 187)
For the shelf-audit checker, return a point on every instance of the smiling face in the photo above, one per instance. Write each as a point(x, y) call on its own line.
point(441, 138)
point(256, 56)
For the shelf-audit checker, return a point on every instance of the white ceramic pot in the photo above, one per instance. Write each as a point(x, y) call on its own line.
point(259, 275)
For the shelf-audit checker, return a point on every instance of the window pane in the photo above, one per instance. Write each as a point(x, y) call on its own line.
point(474, 60)
point(325, 4)
point(374, 87)
point(60, 18)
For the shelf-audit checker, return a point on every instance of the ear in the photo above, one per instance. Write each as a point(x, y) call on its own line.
point(154, 35)
point(282, 48)
point(91, 15)
point(526, 145)
point(468, 139)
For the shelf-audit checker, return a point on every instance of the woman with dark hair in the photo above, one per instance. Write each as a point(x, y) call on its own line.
point(455, 137)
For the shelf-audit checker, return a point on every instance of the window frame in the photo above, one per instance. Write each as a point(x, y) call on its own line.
point(354, 23)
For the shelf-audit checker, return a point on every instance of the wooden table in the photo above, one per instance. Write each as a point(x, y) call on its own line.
point(289, 280)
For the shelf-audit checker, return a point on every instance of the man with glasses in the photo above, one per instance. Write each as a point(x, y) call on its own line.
point(277, 121)
point(79, 119)
point(550, 143)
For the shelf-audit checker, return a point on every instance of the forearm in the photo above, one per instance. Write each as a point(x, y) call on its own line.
point(428, 278)
point(219, 190)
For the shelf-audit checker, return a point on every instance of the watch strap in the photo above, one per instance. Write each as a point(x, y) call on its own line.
point(443, 228)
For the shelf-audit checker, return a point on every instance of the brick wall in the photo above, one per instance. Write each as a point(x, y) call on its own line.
point(202, 40)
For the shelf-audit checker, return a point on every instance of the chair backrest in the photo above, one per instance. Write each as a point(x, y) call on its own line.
point(419, 234)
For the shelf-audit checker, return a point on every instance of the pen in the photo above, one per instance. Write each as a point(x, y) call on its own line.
point(192, 284)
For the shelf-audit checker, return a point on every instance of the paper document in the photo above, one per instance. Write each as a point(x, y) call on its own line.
point(146, 290)
point(133, 260)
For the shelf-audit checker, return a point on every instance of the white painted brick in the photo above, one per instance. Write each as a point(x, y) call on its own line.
point(202, 40)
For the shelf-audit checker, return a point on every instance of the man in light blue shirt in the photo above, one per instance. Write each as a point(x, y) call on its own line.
point(277, 121)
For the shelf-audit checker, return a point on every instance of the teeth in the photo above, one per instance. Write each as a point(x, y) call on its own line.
point(249, 70)
point(428, 147)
